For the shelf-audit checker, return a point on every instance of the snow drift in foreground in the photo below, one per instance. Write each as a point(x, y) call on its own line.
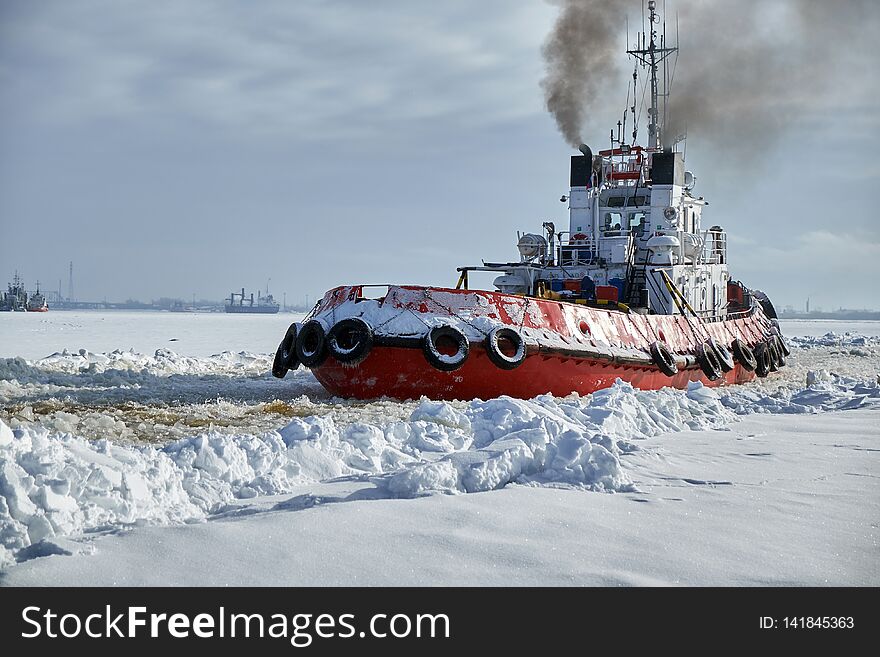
point(54, 484)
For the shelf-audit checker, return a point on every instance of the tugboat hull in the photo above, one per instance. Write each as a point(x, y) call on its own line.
point(403, 374)
point(565, 347)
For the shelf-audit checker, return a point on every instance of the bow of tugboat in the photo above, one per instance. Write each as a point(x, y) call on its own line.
point(461, 344)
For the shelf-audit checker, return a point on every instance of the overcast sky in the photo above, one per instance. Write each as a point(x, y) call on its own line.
point(180, 148)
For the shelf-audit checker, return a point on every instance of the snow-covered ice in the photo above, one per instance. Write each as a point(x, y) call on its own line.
point(95, 447)
point(776, 500)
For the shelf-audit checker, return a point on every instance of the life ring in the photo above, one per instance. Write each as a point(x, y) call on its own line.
point(709, 362)
point(725, 359)
point(762, 356)
point(663, 358)
point(439, 360)
point(497, 356)
point(350, 340)
point(744, 355)
point(579, 238)
point(285, 356)
point(311, 344)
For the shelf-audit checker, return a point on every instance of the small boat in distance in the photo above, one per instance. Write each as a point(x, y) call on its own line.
point(239, 303)
point(15, 298)
point(37, 302)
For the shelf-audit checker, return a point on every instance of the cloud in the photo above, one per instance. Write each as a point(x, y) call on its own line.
point(330, 69)
point(834, 268)
point(194, 133)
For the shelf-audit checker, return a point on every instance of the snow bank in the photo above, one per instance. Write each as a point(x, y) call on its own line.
point(826, 391)
point(54, 484)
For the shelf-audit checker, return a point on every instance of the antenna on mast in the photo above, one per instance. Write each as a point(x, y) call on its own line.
point(651, 55)
point(635, 102)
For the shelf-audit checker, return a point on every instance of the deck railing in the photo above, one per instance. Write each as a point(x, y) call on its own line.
point(714, 249)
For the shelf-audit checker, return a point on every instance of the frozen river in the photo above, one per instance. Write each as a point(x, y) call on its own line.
point(35, 335)
point(115, 420)
point(155, 376)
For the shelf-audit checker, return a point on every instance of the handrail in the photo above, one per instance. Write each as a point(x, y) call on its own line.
point(570, 253)
point(713, 248)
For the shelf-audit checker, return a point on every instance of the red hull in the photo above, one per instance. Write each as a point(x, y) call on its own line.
point(38, 310)
point(570, 348)
point(405, 374)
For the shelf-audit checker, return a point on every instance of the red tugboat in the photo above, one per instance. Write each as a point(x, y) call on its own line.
point(635, 289)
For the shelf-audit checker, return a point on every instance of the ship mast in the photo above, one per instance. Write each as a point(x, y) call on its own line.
point(651, 55)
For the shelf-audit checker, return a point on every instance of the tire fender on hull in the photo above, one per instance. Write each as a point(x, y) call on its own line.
point(766, 304)
point(709, 362)
point(285, 357)
point(497, 355)
point(776, 359)
point(762, 356)
point(311, 344)
point(350, 340)
point(437, 359)
point(663, 358)
point(725, 359)
point(782, 345)
point(780, 350)
point(744, 355)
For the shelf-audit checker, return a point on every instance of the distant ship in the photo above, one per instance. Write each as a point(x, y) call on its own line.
point(37, 302)
point(238, 303)
point(15, 298)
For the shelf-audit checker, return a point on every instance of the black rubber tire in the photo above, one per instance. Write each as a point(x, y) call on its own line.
point(762, 355)
point(725, 358)
point(663, 358)
point(775, 355)
point(285, 357)
point(744, 355)
point(350, 340)
point(781, 349)
point(311, 344)
point(766, 304)
point(498, 357)
point(709, 362)
point(777, 347)
point(441, 361)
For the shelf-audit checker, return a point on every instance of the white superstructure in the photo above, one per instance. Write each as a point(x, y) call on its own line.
point(636, 233)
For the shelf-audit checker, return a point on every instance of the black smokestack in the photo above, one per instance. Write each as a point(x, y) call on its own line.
point(580, 56)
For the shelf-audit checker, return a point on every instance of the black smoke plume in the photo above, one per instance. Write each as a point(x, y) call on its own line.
point(747, 69)
point(581, 58)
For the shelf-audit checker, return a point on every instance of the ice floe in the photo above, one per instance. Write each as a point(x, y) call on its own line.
point(56, 483)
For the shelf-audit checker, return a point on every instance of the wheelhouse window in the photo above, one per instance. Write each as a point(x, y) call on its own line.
point(613, 221)
point(638, 221)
